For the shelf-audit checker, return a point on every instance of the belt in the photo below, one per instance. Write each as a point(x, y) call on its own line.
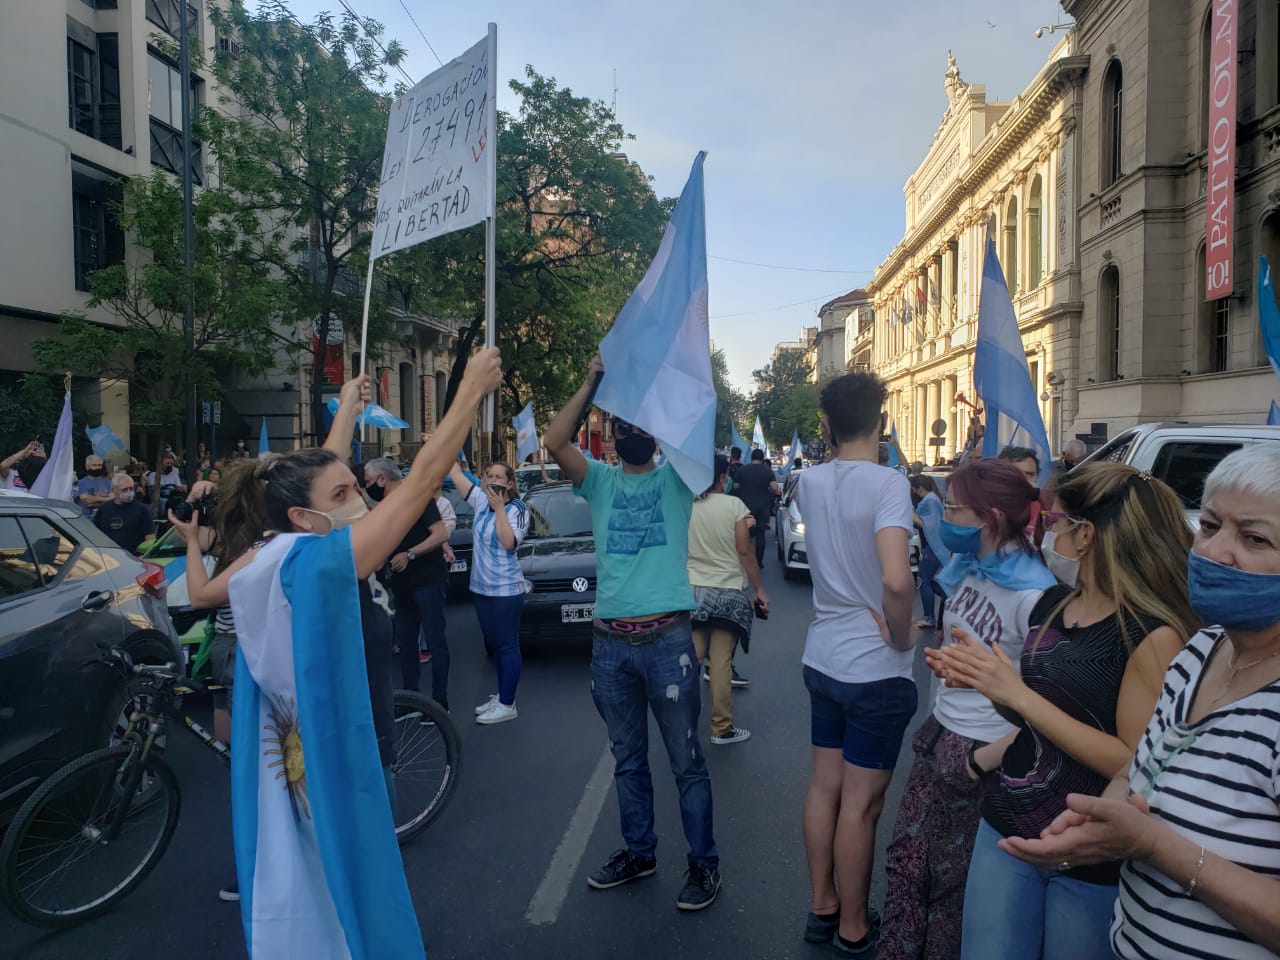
point(640, 632)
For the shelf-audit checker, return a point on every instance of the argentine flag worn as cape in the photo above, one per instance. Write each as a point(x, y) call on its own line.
point(320, 872)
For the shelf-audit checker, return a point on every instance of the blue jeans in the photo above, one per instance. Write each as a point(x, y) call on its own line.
point(626, 682)
point(423, 609)
point(929, 567)
point(500, 623)
point(1016, 911)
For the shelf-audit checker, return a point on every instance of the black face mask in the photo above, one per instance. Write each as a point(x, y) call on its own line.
point(376, 492)
point(97, 472)
point(636, 449)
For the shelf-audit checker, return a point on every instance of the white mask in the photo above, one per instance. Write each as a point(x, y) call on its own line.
point(126, 496)
point(1066, 569)
point(345, 515)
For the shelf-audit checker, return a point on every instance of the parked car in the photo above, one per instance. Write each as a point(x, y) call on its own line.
point(66, 589)
point(558, 558)
point(788, 529)
point(1181, 454)
point(530, 476)
point(460, 542)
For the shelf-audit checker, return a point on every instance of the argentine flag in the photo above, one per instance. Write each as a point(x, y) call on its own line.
point(657, 356)
point(757, 436)
point(1000, 371)
point(320, 872)
point(526, 433)
point(735, 440)
point(57, 477)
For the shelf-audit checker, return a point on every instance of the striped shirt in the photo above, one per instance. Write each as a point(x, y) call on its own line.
point(1217, 783)
point(495, 571)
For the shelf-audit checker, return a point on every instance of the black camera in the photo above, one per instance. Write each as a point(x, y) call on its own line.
point(183, 508)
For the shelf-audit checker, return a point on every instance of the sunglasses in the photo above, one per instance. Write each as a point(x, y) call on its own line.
point(1052, 517)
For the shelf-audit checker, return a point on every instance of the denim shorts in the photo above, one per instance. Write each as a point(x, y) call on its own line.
point(865, 720)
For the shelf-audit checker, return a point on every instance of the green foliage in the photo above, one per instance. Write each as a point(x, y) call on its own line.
point(299, 141)
point(785, 399)
point(30, 405)
point(577, 227)
point(732, 407)
point(234, 300)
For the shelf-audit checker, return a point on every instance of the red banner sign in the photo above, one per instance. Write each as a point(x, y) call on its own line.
point(1220, 209)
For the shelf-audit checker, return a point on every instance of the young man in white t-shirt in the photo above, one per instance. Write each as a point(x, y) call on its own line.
point(857, 655)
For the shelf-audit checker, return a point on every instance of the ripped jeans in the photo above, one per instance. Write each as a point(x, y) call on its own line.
point(628, 679)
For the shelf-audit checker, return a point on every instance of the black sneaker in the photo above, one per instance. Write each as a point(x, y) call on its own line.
point(623, 866)
point(739, 680)
point(821, 928)
point(701, 884)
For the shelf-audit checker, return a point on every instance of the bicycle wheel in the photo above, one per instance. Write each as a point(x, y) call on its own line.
point(427, 765)
point(85, 839)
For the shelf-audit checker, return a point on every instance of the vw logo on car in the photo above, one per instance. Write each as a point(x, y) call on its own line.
point(580, 584)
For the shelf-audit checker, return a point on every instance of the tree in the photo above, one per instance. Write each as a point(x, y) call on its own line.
point(299, 146)
point(234, 302)
point(577, 227)
point(784, 398)
point(732, 407)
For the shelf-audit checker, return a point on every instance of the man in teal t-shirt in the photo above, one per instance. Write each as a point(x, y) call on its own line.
point(642, 652)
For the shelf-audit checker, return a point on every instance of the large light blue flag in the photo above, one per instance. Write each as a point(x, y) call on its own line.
point(1273, 418)
point(757, 435)
point(319, 869)
point(735, 440)
point(1000, 371)
point(526, 433)
point(58, 476)
point(263, 445)
point(1269, 314)
point(657, 356)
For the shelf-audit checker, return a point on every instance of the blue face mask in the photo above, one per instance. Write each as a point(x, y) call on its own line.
point(1233, 598)
point(959, 539)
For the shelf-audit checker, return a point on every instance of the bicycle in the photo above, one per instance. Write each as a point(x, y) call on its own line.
point(94, 830)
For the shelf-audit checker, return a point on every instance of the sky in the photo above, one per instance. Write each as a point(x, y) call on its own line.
point(814, 113)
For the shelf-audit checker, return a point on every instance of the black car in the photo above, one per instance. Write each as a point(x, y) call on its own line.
point(559, 558)
point(460, 542)
point(66, 589)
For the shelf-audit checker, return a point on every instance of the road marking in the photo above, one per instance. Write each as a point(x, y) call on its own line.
point(549, 898)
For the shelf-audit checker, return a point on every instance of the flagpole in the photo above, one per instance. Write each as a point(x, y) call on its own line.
point(364, 331)
point(491, 237)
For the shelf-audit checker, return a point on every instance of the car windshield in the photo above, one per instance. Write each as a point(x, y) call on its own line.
point(558, 512)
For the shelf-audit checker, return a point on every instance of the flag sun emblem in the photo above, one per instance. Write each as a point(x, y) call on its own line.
point(286, 740)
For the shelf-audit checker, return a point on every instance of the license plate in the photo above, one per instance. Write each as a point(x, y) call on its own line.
point(459, 566)
point(577, 612)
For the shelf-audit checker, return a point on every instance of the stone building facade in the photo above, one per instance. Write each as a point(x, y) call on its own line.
point(1006, 169)
point(1151, 345)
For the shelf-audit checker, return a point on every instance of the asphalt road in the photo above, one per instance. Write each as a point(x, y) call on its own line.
point(503, 872)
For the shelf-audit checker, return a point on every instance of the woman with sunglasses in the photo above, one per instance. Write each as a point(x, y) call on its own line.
point(498, 585)
point(993, 581)
point(1196, 818)
point(1091, 670)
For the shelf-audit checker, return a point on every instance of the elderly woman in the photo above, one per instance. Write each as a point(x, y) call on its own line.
point(1197, 818)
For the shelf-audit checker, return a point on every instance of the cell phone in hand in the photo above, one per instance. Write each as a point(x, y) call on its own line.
point(761, 612)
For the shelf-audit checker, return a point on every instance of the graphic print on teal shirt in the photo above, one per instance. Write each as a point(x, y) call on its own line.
point(636, 522)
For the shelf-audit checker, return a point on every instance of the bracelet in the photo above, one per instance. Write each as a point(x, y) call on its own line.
point(1195, 877)
point(973, 763)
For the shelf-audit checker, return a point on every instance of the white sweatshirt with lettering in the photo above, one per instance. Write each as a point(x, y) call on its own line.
point(990, 614)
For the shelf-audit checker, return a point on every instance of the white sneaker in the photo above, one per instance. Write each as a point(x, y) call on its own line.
point(498, 713)
point(735, 735)
point(487, 705)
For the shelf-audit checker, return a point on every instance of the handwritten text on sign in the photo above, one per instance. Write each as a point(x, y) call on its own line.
point(435, 174)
